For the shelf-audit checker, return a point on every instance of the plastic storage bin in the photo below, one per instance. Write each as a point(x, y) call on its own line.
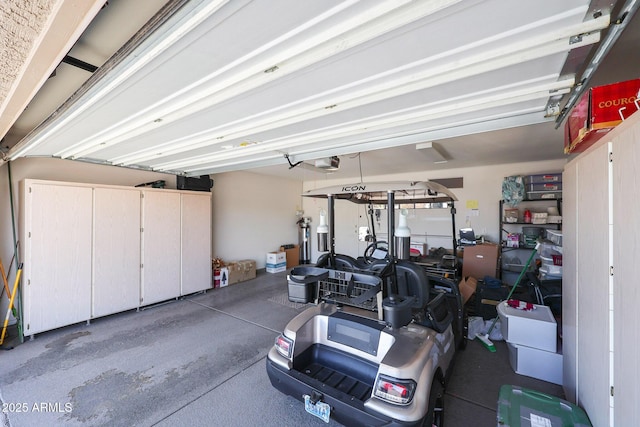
point(531, 235)
point(535, 363)
point(556, 186)
point(555, 236)
point(521, 407)
point(535, 328)
point(543, 178)
point(544, 195)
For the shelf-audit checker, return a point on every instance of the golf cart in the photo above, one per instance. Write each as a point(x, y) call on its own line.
point(376, 345)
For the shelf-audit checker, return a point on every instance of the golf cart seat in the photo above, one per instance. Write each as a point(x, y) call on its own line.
point(430, 309)
point(413, 282)
point(342, 262)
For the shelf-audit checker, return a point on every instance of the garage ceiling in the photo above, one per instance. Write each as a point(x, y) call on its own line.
point(203, 87)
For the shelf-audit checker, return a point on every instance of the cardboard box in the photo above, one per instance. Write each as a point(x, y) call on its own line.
point(534, 328)
point(276, 268)
point(536, 363)
point(276, 258)
point(247, 269)
point(276, 262)
point(467, 288)
point(235, 272)
point(292, 255)
point(598, 111)
point(480, 260)
point(224, 277)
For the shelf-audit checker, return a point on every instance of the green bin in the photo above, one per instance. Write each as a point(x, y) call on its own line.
point(521, 407)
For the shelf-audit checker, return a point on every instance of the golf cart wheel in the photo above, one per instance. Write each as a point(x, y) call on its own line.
point(435, 414)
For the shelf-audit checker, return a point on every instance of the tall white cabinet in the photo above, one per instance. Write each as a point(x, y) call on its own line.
point(195, 241)
point(57, 292)
point(93, 250)
point(161, 246)
point(116, 250)
point(601, 320)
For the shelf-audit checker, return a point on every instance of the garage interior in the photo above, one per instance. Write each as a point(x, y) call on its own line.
point(269, 100)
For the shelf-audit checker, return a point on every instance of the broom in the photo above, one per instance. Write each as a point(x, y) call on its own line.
point(484, 338)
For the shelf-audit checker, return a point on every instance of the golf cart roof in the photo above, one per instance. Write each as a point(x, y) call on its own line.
point(376, 192)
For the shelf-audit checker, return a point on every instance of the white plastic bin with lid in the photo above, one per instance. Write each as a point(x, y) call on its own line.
point(535, 363)
point(535, 328)
point(555, 236)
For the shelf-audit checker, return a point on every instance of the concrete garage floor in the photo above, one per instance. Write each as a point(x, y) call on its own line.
point(199, 361)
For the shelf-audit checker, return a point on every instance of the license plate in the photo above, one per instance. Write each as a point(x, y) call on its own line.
point(319, 409)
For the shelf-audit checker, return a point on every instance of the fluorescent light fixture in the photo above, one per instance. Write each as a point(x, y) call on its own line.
point(434, 151)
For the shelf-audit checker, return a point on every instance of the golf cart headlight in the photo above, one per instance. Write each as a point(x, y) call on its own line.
point(284, 346)
point(394, 390)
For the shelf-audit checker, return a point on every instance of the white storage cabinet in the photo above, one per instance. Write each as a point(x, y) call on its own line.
point(56, 244)
point(601, 248)
point(116, 250)
point(93, 250)
point(160, 246)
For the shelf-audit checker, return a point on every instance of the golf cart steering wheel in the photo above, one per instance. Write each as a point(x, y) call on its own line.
point(375, 251)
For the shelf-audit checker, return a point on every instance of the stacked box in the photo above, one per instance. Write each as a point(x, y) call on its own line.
point(292, 253)
point(531, 337)
point(544, 186)
point(535, 328)
point(276, 262)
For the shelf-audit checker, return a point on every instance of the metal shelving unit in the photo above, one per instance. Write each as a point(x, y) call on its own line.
point(516, 227)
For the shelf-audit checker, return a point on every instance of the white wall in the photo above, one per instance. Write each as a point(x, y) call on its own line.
point(481, 184)
point(253, 214)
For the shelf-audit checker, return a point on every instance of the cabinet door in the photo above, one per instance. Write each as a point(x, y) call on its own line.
point(570, 282)
point(591, 252)
point(57, 281)
point(116, 256)
point(626, 291)
point(196, 242)
point(160, 246)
